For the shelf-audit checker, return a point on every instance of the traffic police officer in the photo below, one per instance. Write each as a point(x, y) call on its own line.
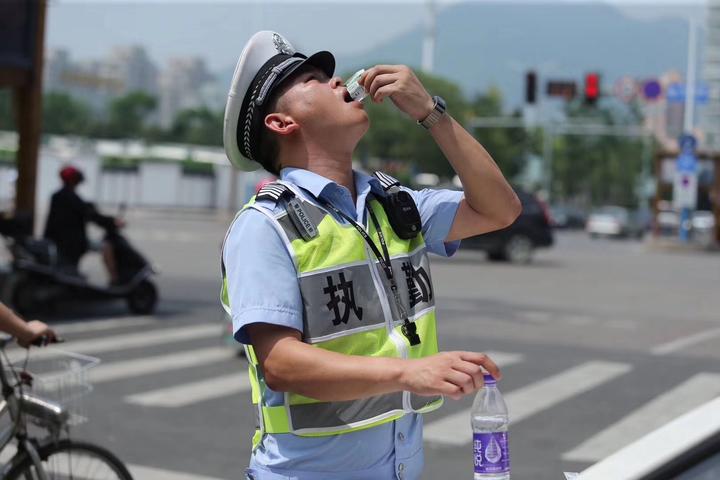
point(326, 274)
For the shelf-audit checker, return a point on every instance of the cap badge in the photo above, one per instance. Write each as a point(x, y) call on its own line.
point(281, 46)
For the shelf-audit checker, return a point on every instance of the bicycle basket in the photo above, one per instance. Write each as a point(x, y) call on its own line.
point(61, 377)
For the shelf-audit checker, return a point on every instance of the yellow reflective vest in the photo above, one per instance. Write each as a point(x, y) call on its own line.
point(349, 309)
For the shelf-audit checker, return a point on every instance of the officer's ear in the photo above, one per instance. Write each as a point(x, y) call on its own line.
point(281, 123)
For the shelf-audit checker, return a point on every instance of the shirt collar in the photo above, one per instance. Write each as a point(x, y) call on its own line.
point(320, 186)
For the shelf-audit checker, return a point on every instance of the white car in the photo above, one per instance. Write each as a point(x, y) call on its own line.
point(612, 221)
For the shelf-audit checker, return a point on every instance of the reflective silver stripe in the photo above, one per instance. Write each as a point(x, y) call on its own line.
point(338, 300)
point(342, 415)
point(418, 402)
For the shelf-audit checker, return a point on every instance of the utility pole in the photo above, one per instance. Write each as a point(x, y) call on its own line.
point(685, 190)
point(690, 76)
point(428, 50)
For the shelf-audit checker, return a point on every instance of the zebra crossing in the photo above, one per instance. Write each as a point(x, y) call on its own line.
point(450, 428)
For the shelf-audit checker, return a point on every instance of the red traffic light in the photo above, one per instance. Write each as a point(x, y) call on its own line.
point(592, 88)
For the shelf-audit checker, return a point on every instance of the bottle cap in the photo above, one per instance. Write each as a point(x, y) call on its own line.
point(489, 379)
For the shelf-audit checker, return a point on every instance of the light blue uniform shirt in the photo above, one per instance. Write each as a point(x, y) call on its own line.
point(263, 287)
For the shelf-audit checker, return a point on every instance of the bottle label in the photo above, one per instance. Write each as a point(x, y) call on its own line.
point(491, 452)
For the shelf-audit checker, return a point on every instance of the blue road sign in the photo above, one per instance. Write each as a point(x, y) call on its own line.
point(688, 144)
point(686, 163)
point(652, 90)
point(676, 93)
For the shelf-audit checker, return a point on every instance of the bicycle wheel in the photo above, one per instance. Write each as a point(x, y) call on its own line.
point(69, 460)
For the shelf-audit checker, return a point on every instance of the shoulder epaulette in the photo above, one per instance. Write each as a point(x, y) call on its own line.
point(273, 192)
point(387, 181)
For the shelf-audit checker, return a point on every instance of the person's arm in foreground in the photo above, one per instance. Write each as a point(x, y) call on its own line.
point(291, 365)
point(25, 332)
point(490, 203)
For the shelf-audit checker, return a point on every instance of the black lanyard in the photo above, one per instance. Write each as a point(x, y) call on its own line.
point(409, 328)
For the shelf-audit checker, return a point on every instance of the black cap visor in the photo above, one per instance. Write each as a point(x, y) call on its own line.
point(324, 60)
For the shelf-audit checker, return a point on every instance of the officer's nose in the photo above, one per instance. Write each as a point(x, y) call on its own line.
point(336, 82)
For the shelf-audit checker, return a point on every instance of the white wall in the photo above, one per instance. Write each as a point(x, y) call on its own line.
point(160, 184)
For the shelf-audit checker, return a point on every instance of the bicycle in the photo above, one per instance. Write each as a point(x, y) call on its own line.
point(49, 402)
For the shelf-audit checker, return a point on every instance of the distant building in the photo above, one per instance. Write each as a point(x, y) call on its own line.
point(711, 71)
point(132, 66)
point(185, 83)
point(93, 82)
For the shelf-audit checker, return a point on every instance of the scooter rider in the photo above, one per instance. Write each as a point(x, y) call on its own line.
point(326, 273)
point(67, 220)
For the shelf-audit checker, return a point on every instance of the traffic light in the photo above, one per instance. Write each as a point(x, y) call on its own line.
point(530, 88)
point(592, 88)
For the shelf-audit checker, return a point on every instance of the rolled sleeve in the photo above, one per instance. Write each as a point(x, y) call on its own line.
point(437, 211)
point(261, 276)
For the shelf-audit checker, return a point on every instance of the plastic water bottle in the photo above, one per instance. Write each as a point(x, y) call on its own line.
point(490, 425)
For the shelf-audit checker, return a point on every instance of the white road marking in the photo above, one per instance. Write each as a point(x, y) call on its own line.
point(662, 409)
point(149, 473)
point(505, 359)
point(681, 343)
point(142, 366)
point(653, 450)
point(122, 342)
point(189, 393)
point(534, 316)
point(107, 324)
point(527, 401)
point(138, 471)
point(579, 320)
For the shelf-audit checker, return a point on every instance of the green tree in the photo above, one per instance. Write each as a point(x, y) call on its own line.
point(507, 146)
point(200, 126)
point(394, 136)
point(597, 170)
point(63, 115)
point(127, 115)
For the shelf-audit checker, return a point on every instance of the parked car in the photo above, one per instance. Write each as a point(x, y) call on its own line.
point(702, 224)
point(517, 243)
point(613, 221)
point(565, 216)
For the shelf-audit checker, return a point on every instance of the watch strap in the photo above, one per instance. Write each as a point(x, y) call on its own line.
point(435, 115)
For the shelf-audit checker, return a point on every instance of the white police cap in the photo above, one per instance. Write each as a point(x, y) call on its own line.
point(264, 63)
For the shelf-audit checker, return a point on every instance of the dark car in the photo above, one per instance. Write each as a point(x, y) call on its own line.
point(517, 242)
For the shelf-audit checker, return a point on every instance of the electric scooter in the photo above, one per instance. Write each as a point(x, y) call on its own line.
point(38, 281)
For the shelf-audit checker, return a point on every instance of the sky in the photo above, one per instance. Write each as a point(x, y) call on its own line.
point(217, 30)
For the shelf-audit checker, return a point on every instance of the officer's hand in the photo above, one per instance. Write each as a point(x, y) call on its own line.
point(452, 374)
point(402, 86)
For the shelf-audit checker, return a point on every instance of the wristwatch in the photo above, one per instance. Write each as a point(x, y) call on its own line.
point(436, 114)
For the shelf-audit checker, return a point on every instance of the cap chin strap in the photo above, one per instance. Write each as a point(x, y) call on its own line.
point(270, 80)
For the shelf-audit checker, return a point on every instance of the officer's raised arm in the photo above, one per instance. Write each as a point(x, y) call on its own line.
point(490, 203)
